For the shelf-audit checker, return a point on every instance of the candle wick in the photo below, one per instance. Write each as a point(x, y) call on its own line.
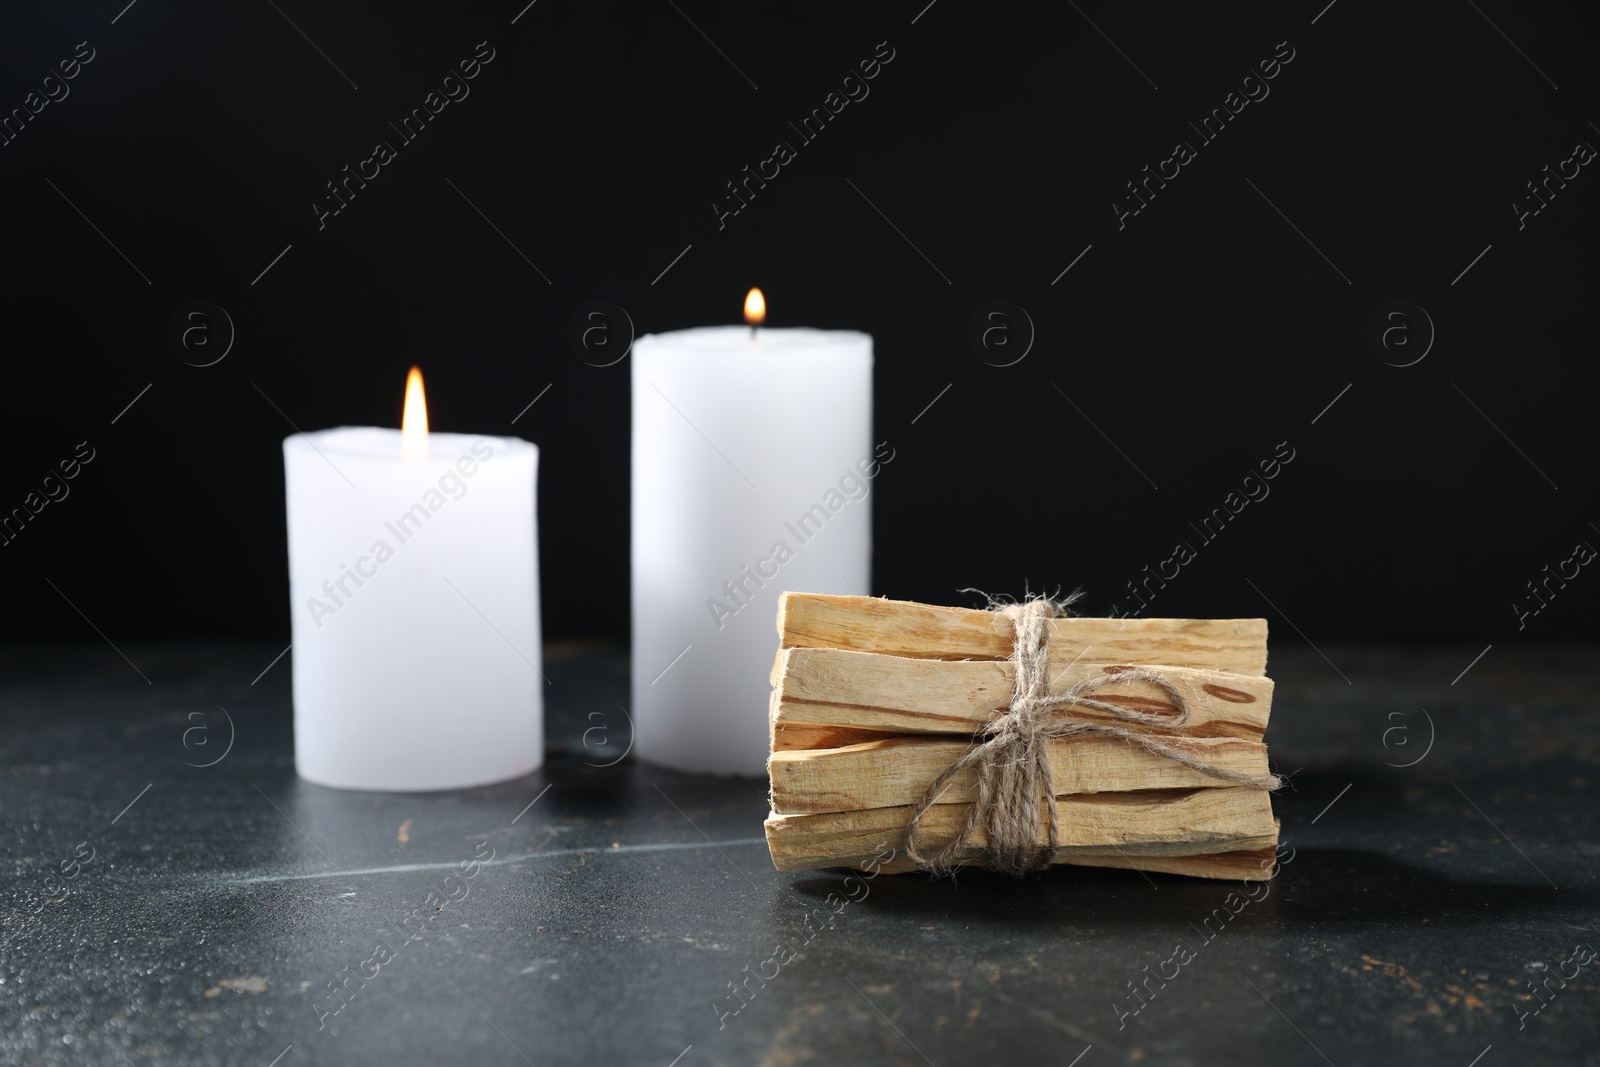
point(752, 332)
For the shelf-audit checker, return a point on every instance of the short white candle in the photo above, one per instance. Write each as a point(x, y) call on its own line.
point(752, 459)
point(414, 600)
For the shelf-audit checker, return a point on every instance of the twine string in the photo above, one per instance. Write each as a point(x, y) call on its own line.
point(1012, 762)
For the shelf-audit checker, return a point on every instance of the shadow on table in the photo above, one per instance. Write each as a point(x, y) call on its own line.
point(1321, 885)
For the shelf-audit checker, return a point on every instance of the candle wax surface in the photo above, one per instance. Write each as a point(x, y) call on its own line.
point(752, 468)
point(414, 602)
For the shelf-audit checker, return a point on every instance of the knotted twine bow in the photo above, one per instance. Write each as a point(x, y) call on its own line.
point(1013, 762)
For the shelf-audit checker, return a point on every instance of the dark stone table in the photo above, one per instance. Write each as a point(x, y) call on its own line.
point(157, 910)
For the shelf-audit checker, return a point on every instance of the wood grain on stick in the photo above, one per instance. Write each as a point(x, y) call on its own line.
point(897, 694)
point(878, 774)
point(1246, 865)
point(1249, 865)
point(926, 631)
point(1157, 823)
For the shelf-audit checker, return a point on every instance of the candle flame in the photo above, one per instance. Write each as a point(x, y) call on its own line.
point(414, 421)
point(755, 308)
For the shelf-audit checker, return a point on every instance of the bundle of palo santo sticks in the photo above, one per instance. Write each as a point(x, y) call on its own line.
point(873, 700)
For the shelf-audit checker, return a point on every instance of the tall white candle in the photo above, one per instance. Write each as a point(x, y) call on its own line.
point(414, 599)
point(752, 461)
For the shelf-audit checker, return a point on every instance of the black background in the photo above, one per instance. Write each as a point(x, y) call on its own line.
point(1197, 338)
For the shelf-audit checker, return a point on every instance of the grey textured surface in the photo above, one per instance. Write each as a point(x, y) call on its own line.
point(205, 923)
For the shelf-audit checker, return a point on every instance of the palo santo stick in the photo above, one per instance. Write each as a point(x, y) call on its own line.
point(1247, 865)
point(880, 774)
point(1160, 823)
point(793, 736)
point(1252, 865)
point(864, 690)
point(925, 631)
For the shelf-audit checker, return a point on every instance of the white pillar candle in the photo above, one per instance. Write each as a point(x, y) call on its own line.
point(414, 599)
point(752, 458)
